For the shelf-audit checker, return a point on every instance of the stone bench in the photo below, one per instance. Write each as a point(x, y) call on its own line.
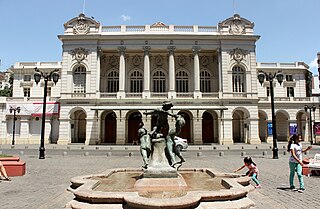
point(14, 166)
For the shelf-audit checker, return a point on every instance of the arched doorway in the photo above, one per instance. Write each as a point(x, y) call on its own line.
point(110, 127)
point(282, 126)
point(186, 129)
point(238, 127)
point(263, 126)
point(207, 128)
point(302, 124)
point(133, 125)
point(78, 127)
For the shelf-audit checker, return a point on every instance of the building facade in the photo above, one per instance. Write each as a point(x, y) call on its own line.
point(111, 75)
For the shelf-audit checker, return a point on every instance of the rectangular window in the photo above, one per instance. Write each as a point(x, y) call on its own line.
point(27, 78)
point(49, 91)
point(26, 92)
point(290, 92)
point(289, 78)
point(268, 91)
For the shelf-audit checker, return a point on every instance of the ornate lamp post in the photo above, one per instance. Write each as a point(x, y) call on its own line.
point(14, 110)
point(313, 109)
point(46, 76)
point(270, 77)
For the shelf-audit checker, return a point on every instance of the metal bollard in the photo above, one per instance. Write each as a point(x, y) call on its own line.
point(64, 153)
point(130, 154)
point(243, 154)
point(109, 154)
point(264, 153)
point(21, 153)
point(199, 154)
point(221, 154)
point(86, 154)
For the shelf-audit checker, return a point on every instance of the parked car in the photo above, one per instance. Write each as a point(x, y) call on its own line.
point(181, 144)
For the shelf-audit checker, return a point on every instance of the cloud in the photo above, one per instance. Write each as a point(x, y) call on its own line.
point(314, 66)
point(125, 17)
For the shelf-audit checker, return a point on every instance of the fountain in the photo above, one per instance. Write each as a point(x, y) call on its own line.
point(160, 183)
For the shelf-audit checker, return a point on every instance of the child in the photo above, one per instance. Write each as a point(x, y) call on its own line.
point(253, 170)
point(295, 161)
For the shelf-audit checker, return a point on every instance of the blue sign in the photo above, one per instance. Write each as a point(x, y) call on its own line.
point(269, 128)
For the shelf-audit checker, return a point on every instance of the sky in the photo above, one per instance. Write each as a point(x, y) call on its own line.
point(289, 29)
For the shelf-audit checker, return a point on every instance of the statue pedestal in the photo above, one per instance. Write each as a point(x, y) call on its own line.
point(158, 165)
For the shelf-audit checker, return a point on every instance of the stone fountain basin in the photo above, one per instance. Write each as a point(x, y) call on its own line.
point(163, 194)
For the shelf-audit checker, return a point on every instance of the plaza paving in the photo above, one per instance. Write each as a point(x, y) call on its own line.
point(46, 180)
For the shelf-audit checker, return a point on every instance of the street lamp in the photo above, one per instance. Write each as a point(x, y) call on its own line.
point(46, 76)
point(310, 108)
point(14, 110)
point(279, 76)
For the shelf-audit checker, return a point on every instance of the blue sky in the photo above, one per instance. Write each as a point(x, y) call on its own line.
point(289, 29)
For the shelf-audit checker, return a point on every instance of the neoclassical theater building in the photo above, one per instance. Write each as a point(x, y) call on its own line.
point(111, 75)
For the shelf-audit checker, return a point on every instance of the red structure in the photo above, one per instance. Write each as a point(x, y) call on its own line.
point(14, 166)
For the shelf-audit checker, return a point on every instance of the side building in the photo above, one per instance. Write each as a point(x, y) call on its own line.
point(110, 75)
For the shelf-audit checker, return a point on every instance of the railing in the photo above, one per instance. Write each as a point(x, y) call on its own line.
point(159, 95)
point(133, 95)
point(210, 95)
point(185, 95)
point(156, 28)
point(108, 95)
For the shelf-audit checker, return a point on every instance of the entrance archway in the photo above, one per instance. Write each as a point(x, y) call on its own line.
point(207, 128)
point(282, 126)
point(186, 129)
point(78, 127)
point(134, 120)
point(239, 128)
point(110, 127)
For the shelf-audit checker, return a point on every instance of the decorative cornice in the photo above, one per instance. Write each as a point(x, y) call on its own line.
point(171, 49)
point(196, 50)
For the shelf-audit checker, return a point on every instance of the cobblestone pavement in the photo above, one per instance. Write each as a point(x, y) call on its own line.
point(45, 183)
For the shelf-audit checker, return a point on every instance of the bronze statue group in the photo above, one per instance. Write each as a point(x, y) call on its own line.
point(148, 138)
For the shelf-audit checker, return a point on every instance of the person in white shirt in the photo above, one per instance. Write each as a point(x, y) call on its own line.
point(295, 161)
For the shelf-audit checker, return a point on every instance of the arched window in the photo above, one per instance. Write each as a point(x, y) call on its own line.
point(238, 79)
point(79, 80)
point(205, 81)
point(136, 82)
point(113, 82)
point(182, 82)
point(159, 82)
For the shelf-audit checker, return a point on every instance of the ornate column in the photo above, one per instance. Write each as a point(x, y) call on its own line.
point(196, 67)
point(122, 72)
point(220, 72)
point(146, 73)
point(172, 73)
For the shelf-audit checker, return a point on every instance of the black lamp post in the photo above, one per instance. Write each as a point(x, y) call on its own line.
point(310, 108)
point(270, 77)
point(14, 110)
point(46, 76)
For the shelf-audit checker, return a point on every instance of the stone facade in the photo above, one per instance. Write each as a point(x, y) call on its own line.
point(110, 75)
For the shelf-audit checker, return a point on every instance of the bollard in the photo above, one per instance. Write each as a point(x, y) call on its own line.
point(264, 153)
point(228, 147)
point(130, 154)
point(199, 154)
point(270, 147)
point(97, 148)
point(68, 148)
point(64, 153)
point(221, 154)
point(82, 147)
point(125, 148)
point(284, 147)
point(214, 147)
point(109, 154)
point(200, 148)
point(86, 154)
point(12, 146)
point(111, 148)
point(243, 154)
point(26, 147)
point(284, 152)
point(21, 153)
point(257, 147)
point(242, 147)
